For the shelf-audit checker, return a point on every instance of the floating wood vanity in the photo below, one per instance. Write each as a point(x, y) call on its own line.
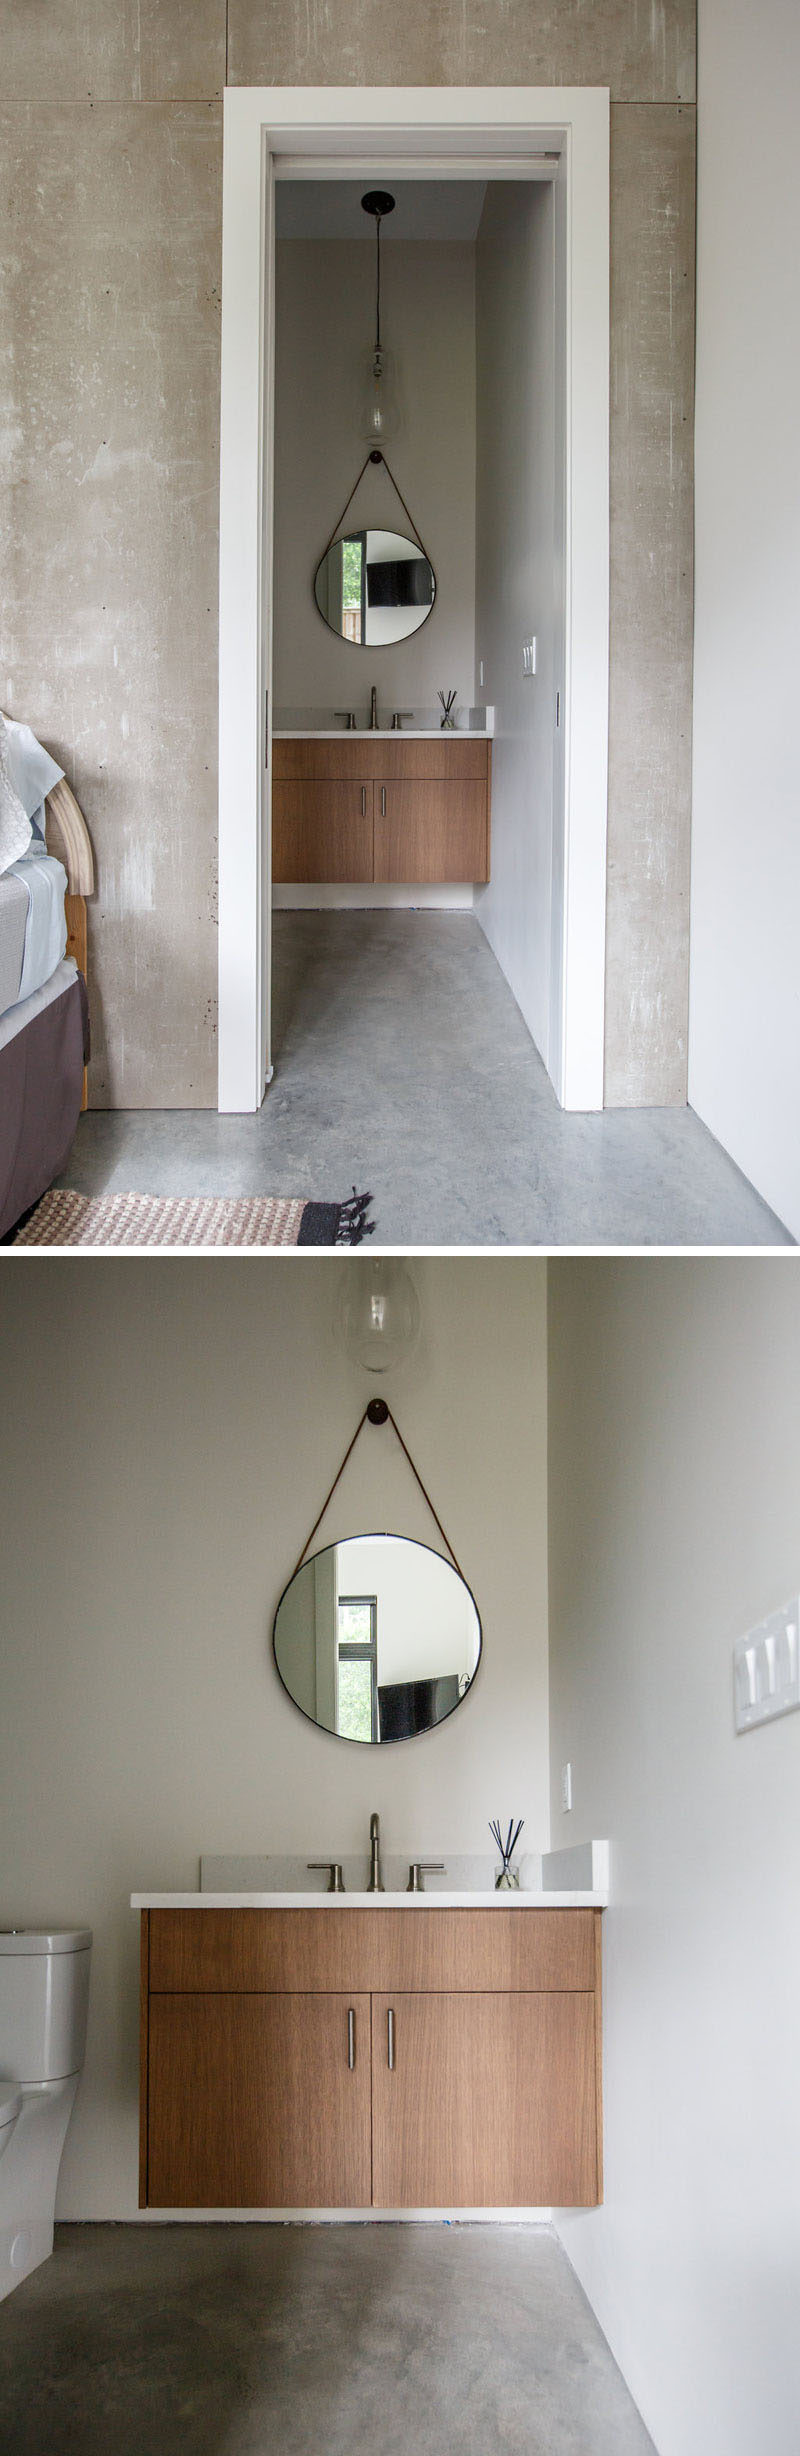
point(387, 808)
point(386, 2057)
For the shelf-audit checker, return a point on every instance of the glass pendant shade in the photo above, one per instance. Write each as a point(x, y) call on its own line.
point(379, 407)
point(379, 1314)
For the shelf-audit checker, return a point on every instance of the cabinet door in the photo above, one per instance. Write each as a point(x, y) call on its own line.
point(431, 831)
point(490, 2104)
point(321, 831)
point(253, 2101)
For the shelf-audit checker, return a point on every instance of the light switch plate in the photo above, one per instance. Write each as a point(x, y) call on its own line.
point(766, 1669)
point(566, 1789)
point(529, 656)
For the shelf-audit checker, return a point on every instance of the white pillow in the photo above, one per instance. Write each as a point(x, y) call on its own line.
point(33, 773)
point(15, 826)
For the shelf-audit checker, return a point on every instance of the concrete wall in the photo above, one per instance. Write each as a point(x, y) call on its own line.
point(168, 1435)
point(674, 1457)
point(745, 1005)
point(109, 351)
point(140, 187)
point(517, 579)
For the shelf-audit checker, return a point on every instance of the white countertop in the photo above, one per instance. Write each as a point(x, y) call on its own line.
point(370, 1901)
point(381, 733)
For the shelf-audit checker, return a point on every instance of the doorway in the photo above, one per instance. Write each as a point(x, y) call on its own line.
point(503, 144)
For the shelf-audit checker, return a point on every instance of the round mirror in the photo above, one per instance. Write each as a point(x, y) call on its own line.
point(377, 1638)
point(374, 587)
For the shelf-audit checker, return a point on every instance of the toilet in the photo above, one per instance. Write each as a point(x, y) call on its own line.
point(44, 1997)
point(10, 2108)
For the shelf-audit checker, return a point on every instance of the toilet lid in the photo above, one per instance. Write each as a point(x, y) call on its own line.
point(10, 2102)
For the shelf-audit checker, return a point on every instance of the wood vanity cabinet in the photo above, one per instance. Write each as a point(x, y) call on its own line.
point(253, 2102)
point(393, 808)
point(354, 2058)
point(321, 830)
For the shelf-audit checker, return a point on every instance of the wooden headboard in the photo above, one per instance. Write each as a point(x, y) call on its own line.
point(69, 839)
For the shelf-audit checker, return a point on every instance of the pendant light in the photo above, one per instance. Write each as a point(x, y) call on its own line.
point(380, 414)
point(379, 1314)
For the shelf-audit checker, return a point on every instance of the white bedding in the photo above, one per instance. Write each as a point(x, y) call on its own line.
point(17, 1016)
point(45, 881)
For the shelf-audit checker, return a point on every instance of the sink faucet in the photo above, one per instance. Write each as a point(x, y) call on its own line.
point(373, 710)
point(375, 1883)
point(419, 1869)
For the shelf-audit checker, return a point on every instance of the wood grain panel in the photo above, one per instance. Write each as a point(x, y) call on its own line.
point(372, 1949)
point(394, 757)
point(491, 2103)
point(346, 760)
point(321, 831)
point(431, 831)
point(598, 2043)
point(75, 915)
point(252, 2103)
point(453, 757)
point(144, 2012)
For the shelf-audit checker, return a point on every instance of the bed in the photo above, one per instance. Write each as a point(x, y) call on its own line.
point(44, 1016)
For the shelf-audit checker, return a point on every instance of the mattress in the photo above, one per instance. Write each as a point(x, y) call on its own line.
point(33, 929)
point(23, 1012)
point(15, 905)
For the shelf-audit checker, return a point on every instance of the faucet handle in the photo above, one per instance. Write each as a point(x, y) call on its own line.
point(335, 1877)
point(401, 717)
point(423, 1867)
point(348, 716)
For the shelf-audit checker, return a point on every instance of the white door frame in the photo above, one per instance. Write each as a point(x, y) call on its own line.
point(441, 131)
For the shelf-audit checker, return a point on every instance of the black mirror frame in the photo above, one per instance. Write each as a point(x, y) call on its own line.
point(367, 1536)
point(369, 647)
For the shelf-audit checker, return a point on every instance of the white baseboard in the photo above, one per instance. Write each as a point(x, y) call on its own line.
point(337, 2217)
point(372, 899)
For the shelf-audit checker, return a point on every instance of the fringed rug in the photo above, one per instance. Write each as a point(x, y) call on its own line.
point(194, 1219)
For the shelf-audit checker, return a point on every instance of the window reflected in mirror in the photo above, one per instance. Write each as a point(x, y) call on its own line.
point(357, 1668)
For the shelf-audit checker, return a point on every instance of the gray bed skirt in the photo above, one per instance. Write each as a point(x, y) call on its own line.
point(41, 1085)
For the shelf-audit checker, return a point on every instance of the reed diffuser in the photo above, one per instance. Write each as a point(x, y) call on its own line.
point(448, 701)
point(507, 1879)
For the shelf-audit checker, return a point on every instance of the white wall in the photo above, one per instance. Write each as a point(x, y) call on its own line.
point(744, 1044)
point(324, 325)
point(674, 1465)
point(426, 1622)
point(517, 579)
point(169, 1430)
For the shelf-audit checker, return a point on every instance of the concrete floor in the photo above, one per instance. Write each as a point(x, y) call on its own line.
point(314, 2340)
point(402, 1065)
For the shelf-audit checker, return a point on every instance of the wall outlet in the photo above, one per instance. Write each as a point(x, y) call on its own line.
point(766, 1669)
point(480, 673)
point(566, 1789)
point(529, 656)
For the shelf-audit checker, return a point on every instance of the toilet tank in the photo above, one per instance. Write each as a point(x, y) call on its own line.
point(44, 1999)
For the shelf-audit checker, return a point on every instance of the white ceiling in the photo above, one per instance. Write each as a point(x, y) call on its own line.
point(425, 209)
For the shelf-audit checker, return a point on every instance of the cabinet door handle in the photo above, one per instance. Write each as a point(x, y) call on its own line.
point(383, 801)
point(363, 801)
point(351, 2039)
point(390, 2037)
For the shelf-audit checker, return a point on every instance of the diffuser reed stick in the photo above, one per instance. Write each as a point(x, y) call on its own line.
point(508, 1877)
